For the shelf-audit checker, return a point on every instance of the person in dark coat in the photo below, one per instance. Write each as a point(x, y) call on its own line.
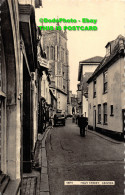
point(82, 124)
point(78, 120)
point(77, 116)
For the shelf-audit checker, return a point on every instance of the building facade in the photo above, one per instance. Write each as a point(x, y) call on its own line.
point(86, 68)
point(55, 45)
point(18, 70)
point(106, 88)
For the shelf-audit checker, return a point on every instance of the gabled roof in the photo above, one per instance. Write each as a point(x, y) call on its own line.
point(116, 48)
point(91, 61)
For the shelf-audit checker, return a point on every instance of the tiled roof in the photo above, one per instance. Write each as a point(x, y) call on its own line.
point(116, 47)
point(93, 59)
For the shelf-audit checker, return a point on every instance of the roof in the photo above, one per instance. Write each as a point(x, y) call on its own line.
point(90, 61)
point(116, 48)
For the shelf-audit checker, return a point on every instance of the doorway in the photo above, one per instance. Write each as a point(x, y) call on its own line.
point(94, 118)
point(27, 133)
point(123, 119)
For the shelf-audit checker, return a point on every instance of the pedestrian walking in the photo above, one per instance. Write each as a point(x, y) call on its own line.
point(51, 120)
point(82, 124)
point(73, 118)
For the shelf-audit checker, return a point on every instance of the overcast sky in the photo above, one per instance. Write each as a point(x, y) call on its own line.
point(110, 15)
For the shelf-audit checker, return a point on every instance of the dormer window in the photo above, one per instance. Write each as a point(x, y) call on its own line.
point(108, 50)
point(121, 44)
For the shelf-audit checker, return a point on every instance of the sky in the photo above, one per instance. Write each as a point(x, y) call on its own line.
point(110, 15)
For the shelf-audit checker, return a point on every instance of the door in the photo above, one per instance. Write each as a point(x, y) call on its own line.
point(94, 118)
point(27, 131)
point(123, 119)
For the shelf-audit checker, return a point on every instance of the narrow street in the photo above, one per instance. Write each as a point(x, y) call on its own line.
point(74, 158)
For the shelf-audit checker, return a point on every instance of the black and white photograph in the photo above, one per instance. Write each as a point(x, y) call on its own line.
point(62, 97)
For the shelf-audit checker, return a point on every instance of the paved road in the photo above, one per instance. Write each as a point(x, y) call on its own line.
point(74, 158)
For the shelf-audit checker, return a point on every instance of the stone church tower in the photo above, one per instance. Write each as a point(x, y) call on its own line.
point(55, 46)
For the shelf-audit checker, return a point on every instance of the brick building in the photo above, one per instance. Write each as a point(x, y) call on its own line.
point(55, 46)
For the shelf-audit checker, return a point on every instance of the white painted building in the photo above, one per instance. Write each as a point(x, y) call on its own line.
point(86, 68)
point(106, 90)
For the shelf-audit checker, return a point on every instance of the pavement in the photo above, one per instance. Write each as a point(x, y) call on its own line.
point(36, 183)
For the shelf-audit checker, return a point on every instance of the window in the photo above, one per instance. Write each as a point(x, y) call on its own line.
point(52, 53)
point(94, 89)
point(58, 52)
point(105, 81)
point(79, 88)
point(47, 52)
point(108, 50)
point(99, 113)
point(62, 54)
point(105, 113)
point(111, 107)
point(121, 43)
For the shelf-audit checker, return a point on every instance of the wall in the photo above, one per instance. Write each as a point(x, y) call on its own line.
point(85, 106)
point(45, 88)
point(88, 68)
point(61, 102)
point(34, 107)
point(112, 97)
point(12, 105)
